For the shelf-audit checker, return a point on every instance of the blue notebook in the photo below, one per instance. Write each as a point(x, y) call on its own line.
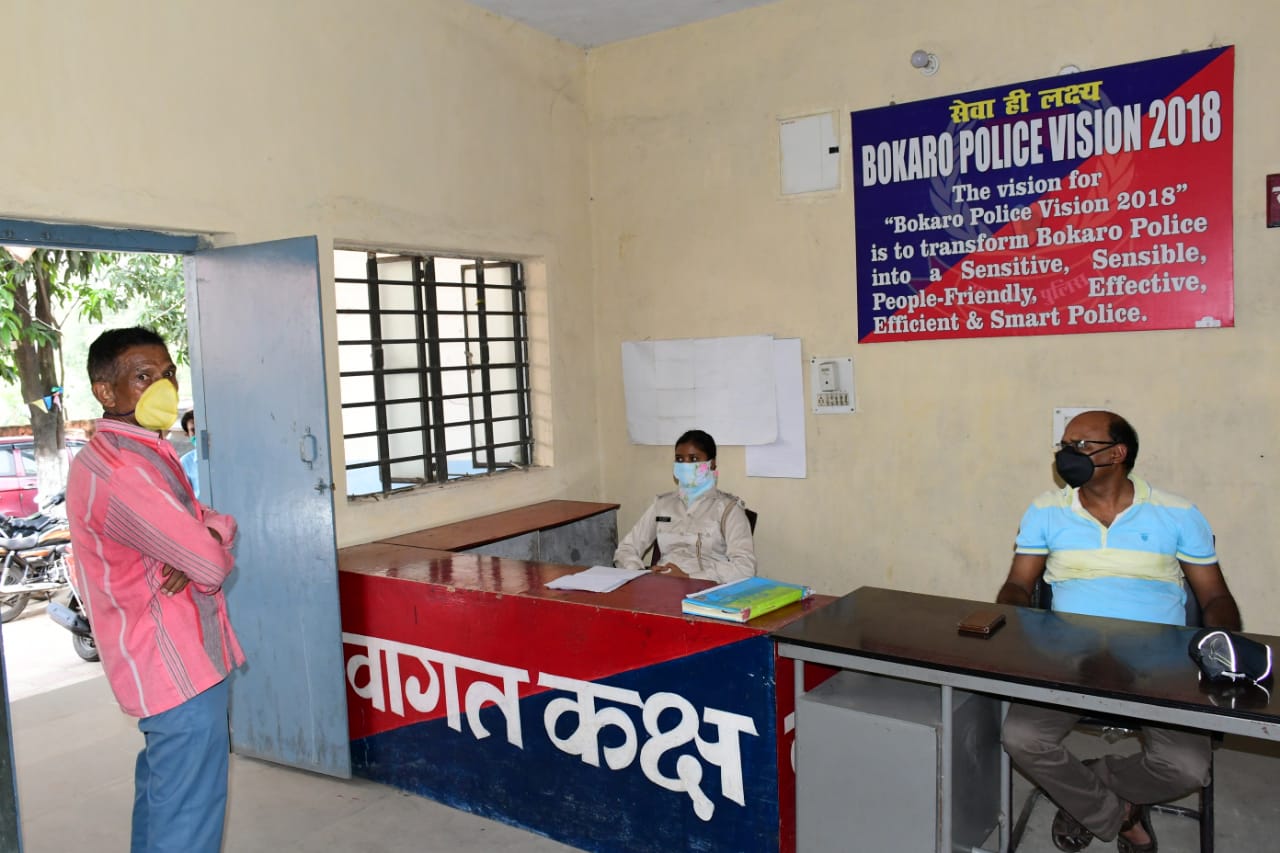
point(741, 601)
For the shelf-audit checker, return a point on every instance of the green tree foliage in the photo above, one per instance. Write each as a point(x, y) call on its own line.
point(41, 290)
point(157, 283)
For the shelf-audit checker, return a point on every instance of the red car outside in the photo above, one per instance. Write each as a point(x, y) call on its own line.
point(18, 473)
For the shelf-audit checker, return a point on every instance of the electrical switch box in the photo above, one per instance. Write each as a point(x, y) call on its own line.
point(831, 385)
point(810, 150)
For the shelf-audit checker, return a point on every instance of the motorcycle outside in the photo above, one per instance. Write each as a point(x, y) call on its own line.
point(73, 617)
point(34, 554)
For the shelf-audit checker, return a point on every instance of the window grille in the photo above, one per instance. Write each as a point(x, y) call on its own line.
point(433, 360)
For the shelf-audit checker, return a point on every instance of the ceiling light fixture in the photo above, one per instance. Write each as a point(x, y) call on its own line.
point(925, 61)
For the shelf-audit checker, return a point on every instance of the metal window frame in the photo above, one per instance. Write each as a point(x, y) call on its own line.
point(430, 400)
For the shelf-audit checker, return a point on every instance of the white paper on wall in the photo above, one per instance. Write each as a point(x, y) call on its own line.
point(786, 456)
point(722, 385)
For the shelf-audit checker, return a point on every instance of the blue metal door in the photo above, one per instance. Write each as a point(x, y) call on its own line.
point(261, 407)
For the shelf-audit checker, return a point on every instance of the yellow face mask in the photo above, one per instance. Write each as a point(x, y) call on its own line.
point(158, 406)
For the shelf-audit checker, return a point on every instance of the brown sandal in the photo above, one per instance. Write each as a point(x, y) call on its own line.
point(1069, 834)
point(1141, 814)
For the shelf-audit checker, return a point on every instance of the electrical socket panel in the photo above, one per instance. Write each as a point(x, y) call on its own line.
point(1062, 416)
point(831, 385)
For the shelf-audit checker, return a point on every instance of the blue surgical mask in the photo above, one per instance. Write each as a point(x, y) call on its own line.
point(695, 479)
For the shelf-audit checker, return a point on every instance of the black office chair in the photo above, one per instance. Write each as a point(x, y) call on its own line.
point(1112, 728)
point(656, 552)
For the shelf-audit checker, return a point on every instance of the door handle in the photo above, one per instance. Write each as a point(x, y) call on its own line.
point(308, 448)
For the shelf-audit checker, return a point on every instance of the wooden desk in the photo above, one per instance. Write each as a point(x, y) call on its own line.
point(579, 533)
point(607, 721)
point(1109, 666)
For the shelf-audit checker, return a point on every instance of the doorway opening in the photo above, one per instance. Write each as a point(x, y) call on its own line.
point(257, 342)
point(54, 301)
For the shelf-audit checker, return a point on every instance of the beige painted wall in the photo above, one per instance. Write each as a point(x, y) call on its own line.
point(923, 488)
point(425, 124)
point(428, 124)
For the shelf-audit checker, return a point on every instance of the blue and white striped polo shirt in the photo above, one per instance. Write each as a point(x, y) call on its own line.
point(1127, 571)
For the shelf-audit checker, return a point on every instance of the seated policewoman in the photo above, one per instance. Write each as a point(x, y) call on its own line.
point(700, 531)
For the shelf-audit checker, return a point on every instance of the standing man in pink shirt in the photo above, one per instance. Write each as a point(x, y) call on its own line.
point(150, 562)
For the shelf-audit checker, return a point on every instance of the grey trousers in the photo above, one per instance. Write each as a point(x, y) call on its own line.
point(1171, 764)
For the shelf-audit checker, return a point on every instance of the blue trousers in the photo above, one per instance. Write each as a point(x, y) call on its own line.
point(180, 782)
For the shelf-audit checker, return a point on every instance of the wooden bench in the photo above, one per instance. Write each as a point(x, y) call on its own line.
point(577, 533)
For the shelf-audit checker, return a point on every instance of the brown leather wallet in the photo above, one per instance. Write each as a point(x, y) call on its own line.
point(982, 623)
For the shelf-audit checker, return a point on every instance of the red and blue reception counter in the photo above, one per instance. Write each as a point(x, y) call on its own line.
point(606, 721)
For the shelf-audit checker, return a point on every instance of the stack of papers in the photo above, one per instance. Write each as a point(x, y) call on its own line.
point(597, 579)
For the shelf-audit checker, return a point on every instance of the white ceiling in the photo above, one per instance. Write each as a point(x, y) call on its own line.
point(589, 23)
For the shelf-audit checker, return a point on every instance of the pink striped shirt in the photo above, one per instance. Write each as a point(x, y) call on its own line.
point(132, 512)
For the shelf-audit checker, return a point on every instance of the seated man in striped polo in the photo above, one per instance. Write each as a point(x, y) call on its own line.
point(1111, 545)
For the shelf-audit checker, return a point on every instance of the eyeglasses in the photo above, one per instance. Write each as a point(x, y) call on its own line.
point(1079, 444)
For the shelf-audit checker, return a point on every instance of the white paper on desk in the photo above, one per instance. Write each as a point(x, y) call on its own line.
point(786, 456)
point(721, 385)
point(596, 579)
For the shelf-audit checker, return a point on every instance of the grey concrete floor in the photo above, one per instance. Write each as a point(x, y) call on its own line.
point(74, 753)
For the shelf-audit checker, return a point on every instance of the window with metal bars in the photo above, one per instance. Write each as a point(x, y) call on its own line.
point(433, 359)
